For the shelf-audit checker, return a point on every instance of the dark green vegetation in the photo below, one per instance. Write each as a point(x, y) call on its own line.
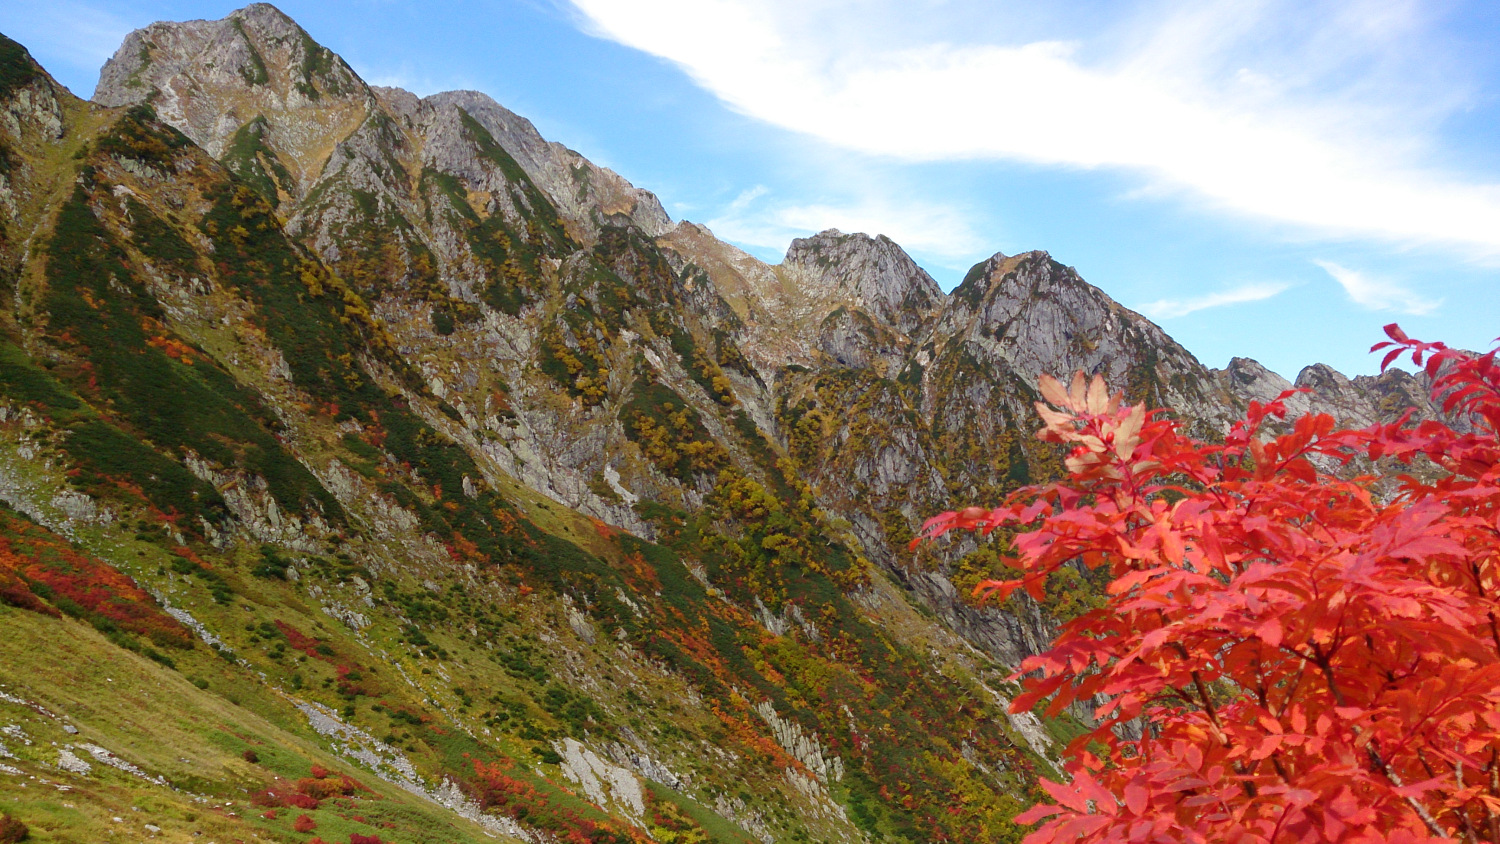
point(256, 164)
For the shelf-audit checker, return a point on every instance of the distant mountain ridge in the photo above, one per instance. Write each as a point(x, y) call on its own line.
point(476, 475)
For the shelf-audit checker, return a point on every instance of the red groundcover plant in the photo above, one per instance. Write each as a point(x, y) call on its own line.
point(1305, 659)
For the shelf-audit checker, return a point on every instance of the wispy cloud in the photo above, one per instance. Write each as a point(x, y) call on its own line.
point(1253, 292)
point(1296, 143)
point(1379, 294)
point(942, 232)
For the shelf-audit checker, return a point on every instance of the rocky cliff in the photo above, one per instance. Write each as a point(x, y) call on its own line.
point(406, 442)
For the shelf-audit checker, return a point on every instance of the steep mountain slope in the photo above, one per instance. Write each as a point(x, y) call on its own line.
point(471, 473)
point(311, 474)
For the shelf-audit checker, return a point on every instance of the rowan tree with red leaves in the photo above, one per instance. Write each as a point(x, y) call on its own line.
point(1305, 658)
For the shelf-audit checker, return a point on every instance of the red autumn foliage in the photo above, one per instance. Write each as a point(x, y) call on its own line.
point(319, 789)
point(496, 789)
point(304, 823)
point(299, 801)
point(283, 797)
point(356, 838)
point(34, 559)
point(175, 349)
point(17, 593)
point(325, 784)
point(298, 640)
point(605, 530)
point(190, 555)
point(1310, 660)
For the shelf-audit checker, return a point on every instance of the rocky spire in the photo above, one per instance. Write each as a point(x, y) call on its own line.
point(870, 273)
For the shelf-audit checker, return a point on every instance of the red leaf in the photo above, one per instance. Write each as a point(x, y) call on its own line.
point(1037, 812)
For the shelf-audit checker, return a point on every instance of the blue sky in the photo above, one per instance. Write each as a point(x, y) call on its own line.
point(1264, 178)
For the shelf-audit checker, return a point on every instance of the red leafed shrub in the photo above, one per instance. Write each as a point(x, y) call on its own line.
point(298, 640)
point(496, 789)
point(269, 815)
point(320, 789)
point(299, 801)
point(37, 562)
point(283, 797)
point(304, 823)
point(324, 784)
point(1311, 660)
point(16, 592)
point(356, 838)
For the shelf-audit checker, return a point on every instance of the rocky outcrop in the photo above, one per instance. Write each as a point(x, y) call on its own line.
point(1354, 402)
point(585, 193)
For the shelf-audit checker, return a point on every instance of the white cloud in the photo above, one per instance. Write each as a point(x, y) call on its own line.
point(1295, 144)
point(1253, 292)
point(1379, 294)
point(939, 231)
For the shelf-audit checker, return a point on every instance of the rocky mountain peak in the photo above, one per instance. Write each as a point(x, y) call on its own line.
point(1320, 377)
point(17, 68)
point(253, 68)
point(1368, 399)
point(260, 94)
point(1040, 317)
point(1250, 381)
point(28, 99)
point(870, 273)
point(1249, 378)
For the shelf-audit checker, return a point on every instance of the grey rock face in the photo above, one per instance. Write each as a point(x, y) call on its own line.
point(1040, 318)
point(209, 78)
point(31, 120)
point(583, 192)
point(1337, 395)
point(870, 273)
point(845, 299)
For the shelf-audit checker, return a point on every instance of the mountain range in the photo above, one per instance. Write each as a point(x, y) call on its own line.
point(375, 468)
